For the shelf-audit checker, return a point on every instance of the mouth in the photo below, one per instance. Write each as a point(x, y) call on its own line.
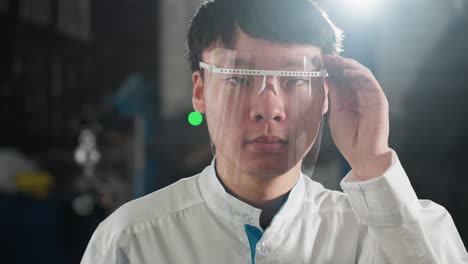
point(268, 144)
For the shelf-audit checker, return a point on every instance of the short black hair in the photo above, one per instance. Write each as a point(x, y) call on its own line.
point(288, 22)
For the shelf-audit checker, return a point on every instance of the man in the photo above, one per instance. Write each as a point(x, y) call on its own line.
point(263, 71)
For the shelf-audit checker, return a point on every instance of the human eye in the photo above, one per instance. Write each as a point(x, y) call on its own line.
point(238, 81)
point(297, 82)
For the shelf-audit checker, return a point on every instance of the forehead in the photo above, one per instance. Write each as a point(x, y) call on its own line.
point(248, 45)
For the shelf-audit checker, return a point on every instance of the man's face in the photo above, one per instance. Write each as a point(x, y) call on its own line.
point(262, 132)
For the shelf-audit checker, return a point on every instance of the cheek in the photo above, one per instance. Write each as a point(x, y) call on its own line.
point(225, 108)
point(303, 111)
point(223, 104)
point(305, 115)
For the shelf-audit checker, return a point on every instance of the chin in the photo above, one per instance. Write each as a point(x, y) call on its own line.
point(267, 166)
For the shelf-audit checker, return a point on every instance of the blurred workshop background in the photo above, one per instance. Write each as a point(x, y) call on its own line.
point(95, 97)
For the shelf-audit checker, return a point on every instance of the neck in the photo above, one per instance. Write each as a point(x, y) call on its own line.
point(265, 193)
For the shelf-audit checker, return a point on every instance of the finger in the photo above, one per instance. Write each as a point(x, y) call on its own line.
point(348, 63)
point(329, 62)
point(360, 77)
point(336, 65)
point(365, 88)
point(361, 80)
point(336, 83)
point(337, 95)
point(342, 62)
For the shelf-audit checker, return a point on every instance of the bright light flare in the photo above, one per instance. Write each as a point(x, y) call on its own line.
point(361, 7)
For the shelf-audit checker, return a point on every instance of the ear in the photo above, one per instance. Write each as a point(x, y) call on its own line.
point(198, 97)
point(325, 99)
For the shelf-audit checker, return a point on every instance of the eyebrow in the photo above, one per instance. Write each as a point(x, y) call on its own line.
point(243, 62)
point(238, 62)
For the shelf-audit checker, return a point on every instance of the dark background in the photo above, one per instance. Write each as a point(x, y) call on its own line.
point(117, 68)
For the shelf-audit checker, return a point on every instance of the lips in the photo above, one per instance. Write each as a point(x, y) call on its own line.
point(268, 139)
point(268, 144)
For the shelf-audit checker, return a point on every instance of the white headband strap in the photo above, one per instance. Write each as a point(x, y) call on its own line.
point(214, 69)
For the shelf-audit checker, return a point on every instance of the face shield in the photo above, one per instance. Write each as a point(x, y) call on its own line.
point(264, 113)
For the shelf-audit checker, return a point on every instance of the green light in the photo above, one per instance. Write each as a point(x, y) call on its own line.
point(195, 118)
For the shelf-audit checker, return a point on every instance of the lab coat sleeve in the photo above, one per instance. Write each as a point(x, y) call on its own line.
point(401, 228)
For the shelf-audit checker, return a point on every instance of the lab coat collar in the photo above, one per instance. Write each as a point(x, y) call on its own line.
point(238, 211)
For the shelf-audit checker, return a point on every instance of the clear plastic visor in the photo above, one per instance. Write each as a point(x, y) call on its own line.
point(264, 113)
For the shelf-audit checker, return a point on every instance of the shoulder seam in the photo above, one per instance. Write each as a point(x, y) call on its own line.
point(154, 219)
point(331, 209)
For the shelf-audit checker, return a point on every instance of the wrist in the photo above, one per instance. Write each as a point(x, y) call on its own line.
point(373, 166)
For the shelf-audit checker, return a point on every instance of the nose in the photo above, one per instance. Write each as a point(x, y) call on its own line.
point(269, 105)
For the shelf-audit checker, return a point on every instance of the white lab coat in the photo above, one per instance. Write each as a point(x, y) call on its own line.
point(196, 221)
